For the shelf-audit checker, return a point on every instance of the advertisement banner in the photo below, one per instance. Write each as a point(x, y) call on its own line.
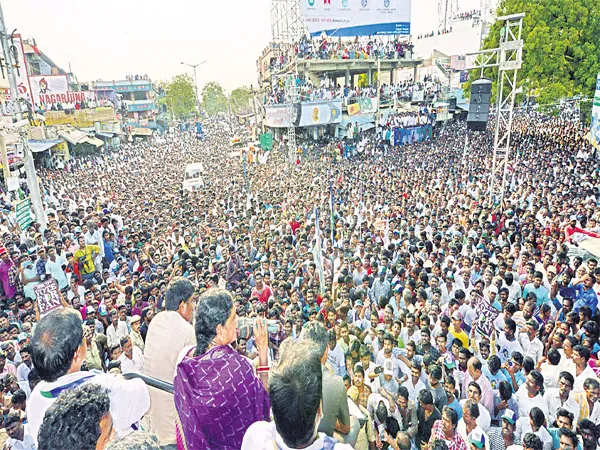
point(15, 44)
point(418, 96)
point(321, 113)
point(23, 212)
point(595, 128)
point(354, 108)
point(278, 116)
point(404, 136)
point(52, 89)
point(356, 17)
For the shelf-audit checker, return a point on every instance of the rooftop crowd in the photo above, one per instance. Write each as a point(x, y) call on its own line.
point(371, 338)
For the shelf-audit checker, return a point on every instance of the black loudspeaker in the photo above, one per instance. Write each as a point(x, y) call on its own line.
point(479, 105)
point(452, 104)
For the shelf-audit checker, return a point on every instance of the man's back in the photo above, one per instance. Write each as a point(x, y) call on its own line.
point(335, 403)
point(168, 334)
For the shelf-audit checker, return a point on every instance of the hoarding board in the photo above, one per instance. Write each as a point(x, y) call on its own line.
point(356, 17)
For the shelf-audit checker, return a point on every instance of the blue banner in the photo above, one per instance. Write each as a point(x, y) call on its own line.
point(403, 136)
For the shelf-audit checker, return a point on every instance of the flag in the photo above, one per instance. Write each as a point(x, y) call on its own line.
point(386, 236)
point(585, 239)
point(318, 255)
point(354, 108)
point(332, 217)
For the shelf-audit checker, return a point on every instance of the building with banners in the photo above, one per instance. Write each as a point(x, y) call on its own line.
point(138, 101)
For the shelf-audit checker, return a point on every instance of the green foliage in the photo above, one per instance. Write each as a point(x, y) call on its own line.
point(241, 100)
point(561, 54)
point(363, 79)
point(180, 95)
point(214, 99)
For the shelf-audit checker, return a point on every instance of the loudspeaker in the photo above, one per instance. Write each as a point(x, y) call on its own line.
point(479, 105)
point(451, 104)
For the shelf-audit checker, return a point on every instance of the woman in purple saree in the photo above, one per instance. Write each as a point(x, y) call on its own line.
point(217, 395)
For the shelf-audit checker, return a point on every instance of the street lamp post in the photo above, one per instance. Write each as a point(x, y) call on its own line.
point(193, 66)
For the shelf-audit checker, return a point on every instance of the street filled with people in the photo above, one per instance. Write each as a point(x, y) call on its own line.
point(377, 297)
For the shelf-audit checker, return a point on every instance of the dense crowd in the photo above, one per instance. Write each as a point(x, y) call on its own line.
point(370, 269)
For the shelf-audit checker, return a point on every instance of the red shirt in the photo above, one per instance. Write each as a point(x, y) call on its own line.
point(264, 295)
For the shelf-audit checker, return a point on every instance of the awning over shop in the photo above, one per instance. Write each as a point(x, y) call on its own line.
point(95, 141)
point(142, 132)
point(105, 134)
point(40, 146)
point(74, 136)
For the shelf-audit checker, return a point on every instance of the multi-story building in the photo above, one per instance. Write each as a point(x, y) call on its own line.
point(137, 98)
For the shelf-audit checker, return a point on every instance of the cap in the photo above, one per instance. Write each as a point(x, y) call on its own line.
point(3, 251)
point(457, 315)
point(449, 362)
point(551, 269)
point(90, 309)
point(493, 289)
point(358, 303)
point(477, 438)
point(428, 264)
point(21, 337)
point(352, 393)
point(381, 327)
point(135, 318)
point(450, 258)
point(388, 368)
point(533, 324)
point(509, 415)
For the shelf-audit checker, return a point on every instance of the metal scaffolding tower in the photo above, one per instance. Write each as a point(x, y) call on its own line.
point(287, 24)
point(508, 59)
point(292, 98)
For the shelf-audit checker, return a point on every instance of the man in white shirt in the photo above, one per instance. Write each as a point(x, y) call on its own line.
point(57, 351)
point(116, 330)
point(335, 356)
point(561, 397)
point(529, 341)
point(19, 437)
point(296, 407)
point(533, 423)
point(132, 358)
point(529, 394)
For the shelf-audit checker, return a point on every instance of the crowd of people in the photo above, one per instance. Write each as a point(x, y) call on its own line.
point(333, 303)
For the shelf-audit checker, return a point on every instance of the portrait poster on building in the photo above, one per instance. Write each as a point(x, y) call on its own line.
point(48, 296)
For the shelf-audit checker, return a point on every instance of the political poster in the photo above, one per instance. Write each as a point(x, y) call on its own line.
point(485, 314)
point(47, 295)
point(320, 113)
point(353, 108)
point(595, 128)
point(53, 89)
point(356, 17)
point(18, 65)
point(278, 116)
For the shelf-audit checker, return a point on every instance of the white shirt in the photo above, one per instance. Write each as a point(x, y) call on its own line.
point(462, 430)
point(336, 358)
point(264, 436)
point(526, 403)
point(26, 444)
point(135, 364)
point(129, 399)
point(534, 349)
point(114, 336)
point(523, 427)
point(588, 372)
point(552, 398)
point(485, 419)
point(413, 390)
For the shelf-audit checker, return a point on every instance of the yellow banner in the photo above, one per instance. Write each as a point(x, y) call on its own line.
point(354, 108)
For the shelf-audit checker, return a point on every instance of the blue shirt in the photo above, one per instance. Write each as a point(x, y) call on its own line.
point(541, 293)
point(456, 407)
point(585, 297)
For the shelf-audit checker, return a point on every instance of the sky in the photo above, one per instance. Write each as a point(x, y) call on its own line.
point(110, 39)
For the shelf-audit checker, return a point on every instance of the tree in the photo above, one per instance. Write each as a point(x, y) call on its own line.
point(214, 99)
point(561, 54)
point(241, 100)
point(363, 79)
point(179, 95)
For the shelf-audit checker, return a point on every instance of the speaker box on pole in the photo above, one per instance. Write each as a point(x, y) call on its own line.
point(479, 105)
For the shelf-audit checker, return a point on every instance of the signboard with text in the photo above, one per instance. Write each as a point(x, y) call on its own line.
point(47, 295)
point(53, 89)
point(23, 212)
point(356, 17)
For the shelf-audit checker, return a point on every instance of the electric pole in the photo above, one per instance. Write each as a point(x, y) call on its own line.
point(32, 180)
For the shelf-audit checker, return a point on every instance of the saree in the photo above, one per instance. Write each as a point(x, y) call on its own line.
point(217, 397)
